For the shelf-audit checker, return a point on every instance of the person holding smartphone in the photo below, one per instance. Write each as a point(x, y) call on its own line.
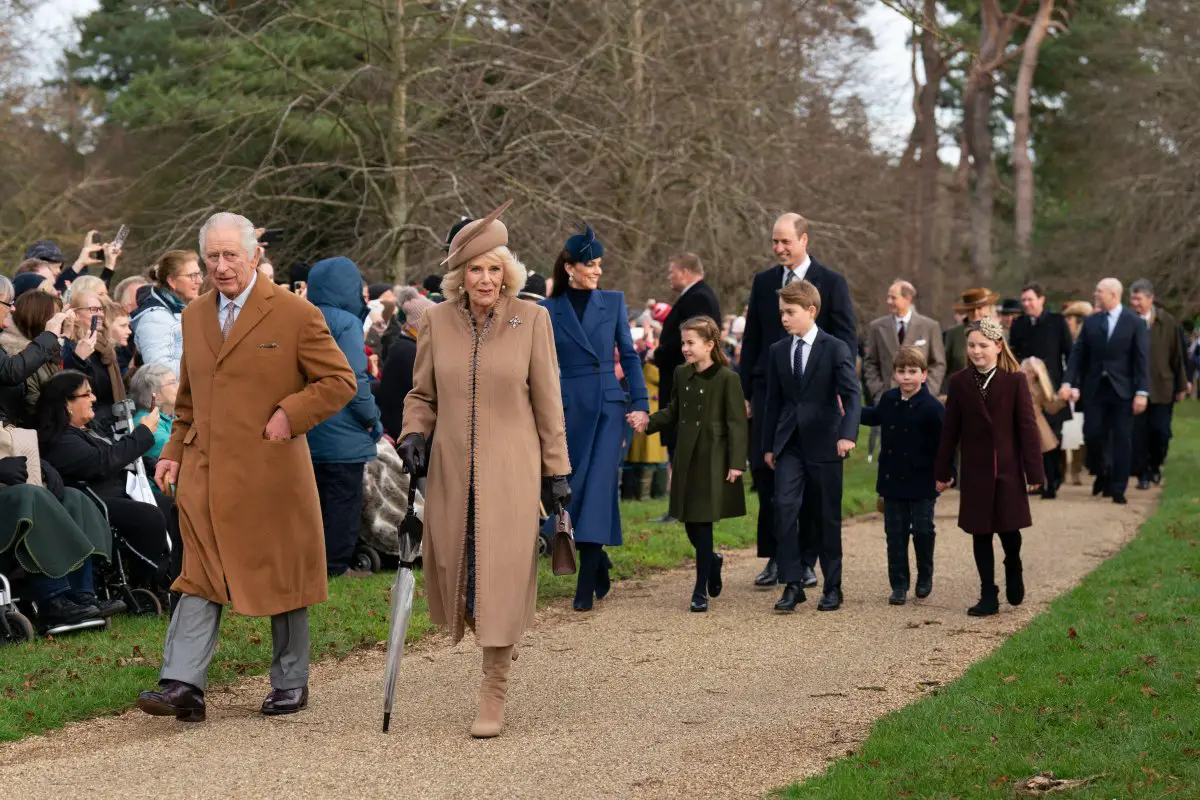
point(96, 353)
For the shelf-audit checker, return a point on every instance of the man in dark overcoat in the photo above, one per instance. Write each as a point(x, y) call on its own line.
point(1110, 371)
point(1168, 384)
point(789, 241)
point(1043, 334)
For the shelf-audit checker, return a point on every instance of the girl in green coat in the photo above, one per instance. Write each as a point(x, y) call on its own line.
point(709, 411)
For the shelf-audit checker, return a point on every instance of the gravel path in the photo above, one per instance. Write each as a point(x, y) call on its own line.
point(638, 699)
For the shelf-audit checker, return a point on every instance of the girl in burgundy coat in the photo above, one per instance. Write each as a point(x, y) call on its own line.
point(990, 417)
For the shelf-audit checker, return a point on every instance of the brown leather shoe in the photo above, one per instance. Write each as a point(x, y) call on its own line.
point(175, 699)
point(285, 701)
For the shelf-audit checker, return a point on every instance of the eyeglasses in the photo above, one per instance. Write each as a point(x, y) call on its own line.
point(93, 309)
point(193, 276)
point(88, 393)
point(7, 304)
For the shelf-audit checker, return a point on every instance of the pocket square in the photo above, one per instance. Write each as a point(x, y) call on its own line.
point(920, 342)
point(268, 346)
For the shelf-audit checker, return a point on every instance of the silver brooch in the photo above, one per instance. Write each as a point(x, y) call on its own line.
point(514, 322)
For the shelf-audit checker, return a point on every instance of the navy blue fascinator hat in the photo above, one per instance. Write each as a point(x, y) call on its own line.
point(584, 247)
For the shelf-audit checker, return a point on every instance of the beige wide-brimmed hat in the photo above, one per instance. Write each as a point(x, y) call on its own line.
point(976, 298)
point(477, 238)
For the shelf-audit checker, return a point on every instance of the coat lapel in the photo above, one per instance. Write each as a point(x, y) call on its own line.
point(593, 313)
point(565, 320)
point(257, 306)
point(209, 311)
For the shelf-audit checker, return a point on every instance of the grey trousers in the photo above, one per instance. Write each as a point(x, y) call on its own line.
point(192, 640)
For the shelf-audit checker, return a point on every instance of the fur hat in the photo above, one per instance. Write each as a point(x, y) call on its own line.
point(584, 247)
point(478, 237)
point(1078, 308)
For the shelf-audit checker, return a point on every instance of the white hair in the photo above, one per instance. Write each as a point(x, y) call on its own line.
point(6, 288)
point(228, 219)
point(147, 382)
point(1112, 285)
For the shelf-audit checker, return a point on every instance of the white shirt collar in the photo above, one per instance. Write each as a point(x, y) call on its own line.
point(906, 319)
point(809, 337)
point(689, 286)
point(240, 300)
point(800, 270)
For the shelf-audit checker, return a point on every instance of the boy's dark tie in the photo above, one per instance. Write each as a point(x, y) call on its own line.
point(798, 363)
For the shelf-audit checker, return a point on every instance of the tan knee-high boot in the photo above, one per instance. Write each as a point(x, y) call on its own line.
point(496, 663)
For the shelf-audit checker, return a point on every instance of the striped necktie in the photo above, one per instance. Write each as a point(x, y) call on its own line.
point(227, 326)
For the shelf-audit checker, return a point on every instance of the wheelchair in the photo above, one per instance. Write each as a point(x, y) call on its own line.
point(16, 627)
point(112, 578)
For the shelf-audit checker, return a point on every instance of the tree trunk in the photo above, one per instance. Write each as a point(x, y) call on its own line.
point(1022, 163)
point(398, 211)
point(977, 110)
point(927, 181)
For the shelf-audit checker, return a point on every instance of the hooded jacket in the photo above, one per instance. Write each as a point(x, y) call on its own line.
point(348, 437)
point(158, 328)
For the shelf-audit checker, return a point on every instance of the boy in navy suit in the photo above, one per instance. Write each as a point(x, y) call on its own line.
point(809, 433)
point(911, 420)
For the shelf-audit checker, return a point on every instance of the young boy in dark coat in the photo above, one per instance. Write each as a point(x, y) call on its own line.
point(910, 419)
point(810, 431)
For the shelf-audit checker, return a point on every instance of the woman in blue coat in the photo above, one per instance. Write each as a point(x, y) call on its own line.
point(590, 326)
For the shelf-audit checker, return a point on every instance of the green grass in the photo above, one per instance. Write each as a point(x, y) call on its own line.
point(1104, 683)
point(50, 682)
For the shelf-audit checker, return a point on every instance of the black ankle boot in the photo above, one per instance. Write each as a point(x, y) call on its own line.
point(1014, 581)
point(989, 602)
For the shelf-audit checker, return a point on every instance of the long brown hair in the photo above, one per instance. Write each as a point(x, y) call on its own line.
point(33, 310)
point(708, 330)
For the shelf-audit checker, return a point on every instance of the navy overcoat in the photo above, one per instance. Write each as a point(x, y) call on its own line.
point(595, 406)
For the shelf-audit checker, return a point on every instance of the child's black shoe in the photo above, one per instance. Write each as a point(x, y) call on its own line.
point(897, 598)
point(699, 604)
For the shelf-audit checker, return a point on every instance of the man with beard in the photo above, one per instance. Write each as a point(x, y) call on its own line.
point(789, 240)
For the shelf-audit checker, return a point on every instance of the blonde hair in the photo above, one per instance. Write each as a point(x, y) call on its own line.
point(801, 293)
point(84, 284)
point(708, 330)
point(989, 328)
point(1037, 368)
point(515, 274)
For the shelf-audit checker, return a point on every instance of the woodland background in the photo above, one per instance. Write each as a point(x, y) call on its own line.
point(367, 127)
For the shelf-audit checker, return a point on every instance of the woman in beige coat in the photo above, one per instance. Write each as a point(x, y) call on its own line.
point(486, 382)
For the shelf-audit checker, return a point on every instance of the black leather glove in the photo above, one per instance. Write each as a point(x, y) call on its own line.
point(13, 471)
point(53, 481)
point(411, 450)
point(556, 491)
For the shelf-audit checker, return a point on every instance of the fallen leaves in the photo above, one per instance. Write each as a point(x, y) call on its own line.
point(1148, 690)
point(1045, 783)
point(1071, 634)
point(1010, 678)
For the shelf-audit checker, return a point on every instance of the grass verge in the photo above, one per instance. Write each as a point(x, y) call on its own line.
point(1105, 685)
point(50, 682)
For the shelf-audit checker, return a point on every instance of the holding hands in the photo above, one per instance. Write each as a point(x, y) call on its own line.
point(638, 420)
point(733, 475)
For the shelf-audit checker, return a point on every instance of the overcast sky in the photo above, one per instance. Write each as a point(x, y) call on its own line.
point(888, 97)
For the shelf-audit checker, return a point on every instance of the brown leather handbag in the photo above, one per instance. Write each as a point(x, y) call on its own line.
point(562, 548)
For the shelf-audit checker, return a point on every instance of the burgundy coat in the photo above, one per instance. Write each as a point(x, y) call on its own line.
point(1000, 451)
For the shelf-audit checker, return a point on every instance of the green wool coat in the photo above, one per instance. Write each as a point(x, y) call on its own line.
point(709, 411)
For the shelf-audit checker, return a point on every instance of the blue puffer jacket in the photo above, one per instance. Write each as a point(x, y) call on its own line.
point(349, 437)
point(158, 328)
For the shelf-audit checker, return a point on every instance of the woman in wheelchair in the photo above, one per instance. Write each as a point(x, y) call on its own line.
point(86, 457)
point(51, 534)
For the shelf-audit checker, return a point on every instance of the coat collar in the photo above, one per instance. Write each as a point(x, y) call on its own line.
point(566, 320)
point(256, 307)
